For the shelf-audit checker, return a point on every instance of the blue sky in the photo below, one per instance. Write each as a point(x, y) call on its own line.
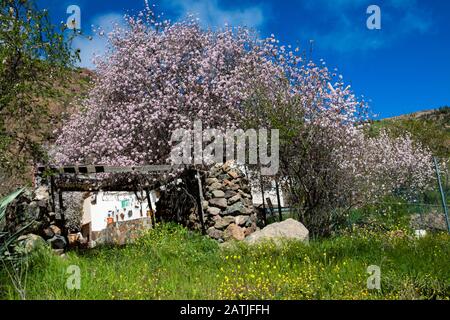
point(402, 68)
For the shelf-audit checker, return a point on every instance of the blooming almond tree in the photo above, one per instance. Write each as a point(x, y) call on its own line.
point(159, 77)
point(328, 164)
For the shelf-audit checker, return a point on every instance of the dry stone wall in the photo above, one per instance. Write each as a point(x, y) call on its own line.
point(228, 206)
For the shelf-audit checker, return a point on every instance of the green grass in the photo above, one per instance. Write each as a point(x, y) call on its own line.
point(173, 263)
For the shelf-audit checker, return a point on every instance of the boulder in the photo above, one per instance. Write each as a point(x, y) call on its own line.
point(234, 232)
point(289, 229)
point(30, 242)
point(223, 177)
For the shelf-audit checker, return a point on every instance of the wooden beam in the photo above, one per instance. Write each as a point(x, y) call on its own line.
point(277, 187)
point(149, 200)
point(200, 202)
point(92, 169)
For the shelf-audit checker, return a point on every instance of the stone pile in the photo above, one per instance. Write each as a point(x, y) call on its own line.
point(30, 212)
point(228, 207)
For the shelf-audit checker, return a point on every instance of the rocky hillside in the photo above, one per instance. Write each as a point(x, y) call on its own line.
point(73, 86)
point(431, 128)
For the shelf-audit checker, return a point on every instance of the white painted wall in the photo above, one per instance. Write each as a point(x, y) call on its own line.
point(96, 212)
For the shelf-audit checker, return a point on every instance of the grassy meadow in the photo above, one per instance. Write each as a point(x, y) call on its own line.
point(171, 262)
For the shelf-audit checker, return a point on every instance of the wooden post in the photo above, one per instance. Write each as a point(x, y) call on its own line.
point(441, 190)
point(147, 193)
point(52, 193)
point(277, 187)
point(262, 197)
point(270, 205)
point(200, 202)
point(61, 210)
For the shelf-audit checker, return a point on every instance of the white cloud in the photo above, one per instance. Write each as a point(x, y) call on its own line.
point(99, 44)
point(211, 14)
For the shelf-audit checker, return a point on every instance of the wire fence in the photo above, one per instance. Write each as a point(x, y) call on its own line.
point(425, 211)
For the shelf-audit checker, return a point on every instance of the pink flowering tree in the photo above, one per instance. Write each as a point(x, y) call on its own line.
point(159, 77)
point(328, 163)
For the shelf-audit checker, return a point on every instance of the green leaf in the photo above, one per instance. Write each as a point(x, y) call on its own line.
point(7, 200)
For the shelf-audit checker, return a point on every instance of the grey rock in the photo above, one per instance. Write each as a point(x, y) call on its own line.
point(33, 211)
point(31, 242)
point(234, 199)
point(41, 193)
point(215, 186)
point(242, 220)
point(218, 202)
point(234, 232)
point(289, 229)
point(218, 194)
point(210, 181)
point(236, 209)
point(214, 233)
point(213, 211)
point(234, 187)
point(234, 174)
point(245, 195)
point(224, 222)
point(56, 230)
point(223, 177)
point(230, 194)
point(48, 232)
point(228, 165)
point(57, 242)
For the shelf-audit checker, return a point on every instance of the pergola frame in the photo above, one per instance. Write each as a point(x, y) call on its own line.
point(78, 178)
